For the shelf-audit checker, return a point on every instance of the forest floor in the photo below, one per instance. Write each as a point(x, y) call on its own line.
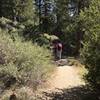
point(66, 84)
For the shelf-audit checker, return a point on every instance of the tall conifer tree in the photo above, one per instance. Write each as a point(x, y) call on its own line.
point(19, 10)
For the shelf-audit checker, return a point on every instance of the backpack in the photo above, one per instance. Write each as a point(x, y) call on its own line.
point(59, 46)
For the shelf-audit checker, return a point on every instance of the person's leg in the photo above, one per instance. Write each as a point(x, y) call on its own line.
point(59, 55)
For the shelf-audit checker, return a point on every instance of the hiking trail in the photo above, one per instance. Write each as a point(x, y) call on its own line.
point(65, 77)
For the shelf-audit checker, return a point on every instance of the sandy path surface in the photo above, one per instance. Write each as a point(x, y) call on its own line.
point(65, 77)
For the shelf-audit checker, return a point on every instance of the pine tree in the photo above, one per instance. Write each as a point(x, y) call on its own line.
point(19, 10)
point(81, 5)
point(25, 10)
point(46, 14)
point(62, 14)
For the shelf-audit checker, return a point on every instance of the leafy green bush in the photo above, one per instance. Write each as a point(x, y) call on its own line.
point(91, 50)
point(23, 63)
point(23, 93)
point(45, 39)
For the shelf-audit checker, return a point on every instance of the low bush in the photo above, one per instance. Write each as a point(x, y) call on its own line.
point(23, 63)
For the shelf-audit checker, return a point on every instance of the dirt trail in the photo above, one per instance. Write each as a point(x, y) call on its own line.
point(65, 77)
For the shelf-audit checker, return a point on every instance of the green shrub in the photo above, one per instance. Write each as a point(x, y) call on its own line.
point(23, 63)
point(23, 93)
point(45, 39)
point(91, 50)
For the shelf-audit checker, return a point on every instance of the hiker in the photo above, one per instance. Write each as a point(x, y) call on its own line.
point(59, 50)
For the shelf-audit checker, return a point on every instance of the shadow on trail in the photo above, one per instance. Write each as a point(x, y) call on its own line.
point(76, 93)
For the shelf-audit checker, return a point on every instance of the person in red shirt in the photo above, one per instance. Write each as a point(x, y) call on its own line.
point(59, 50)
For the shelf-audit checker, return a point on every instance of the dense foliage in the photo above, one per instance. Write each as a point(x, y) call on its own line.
point(27, 29)
point(91, 45)
point(22, 63)
point(17, 9)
